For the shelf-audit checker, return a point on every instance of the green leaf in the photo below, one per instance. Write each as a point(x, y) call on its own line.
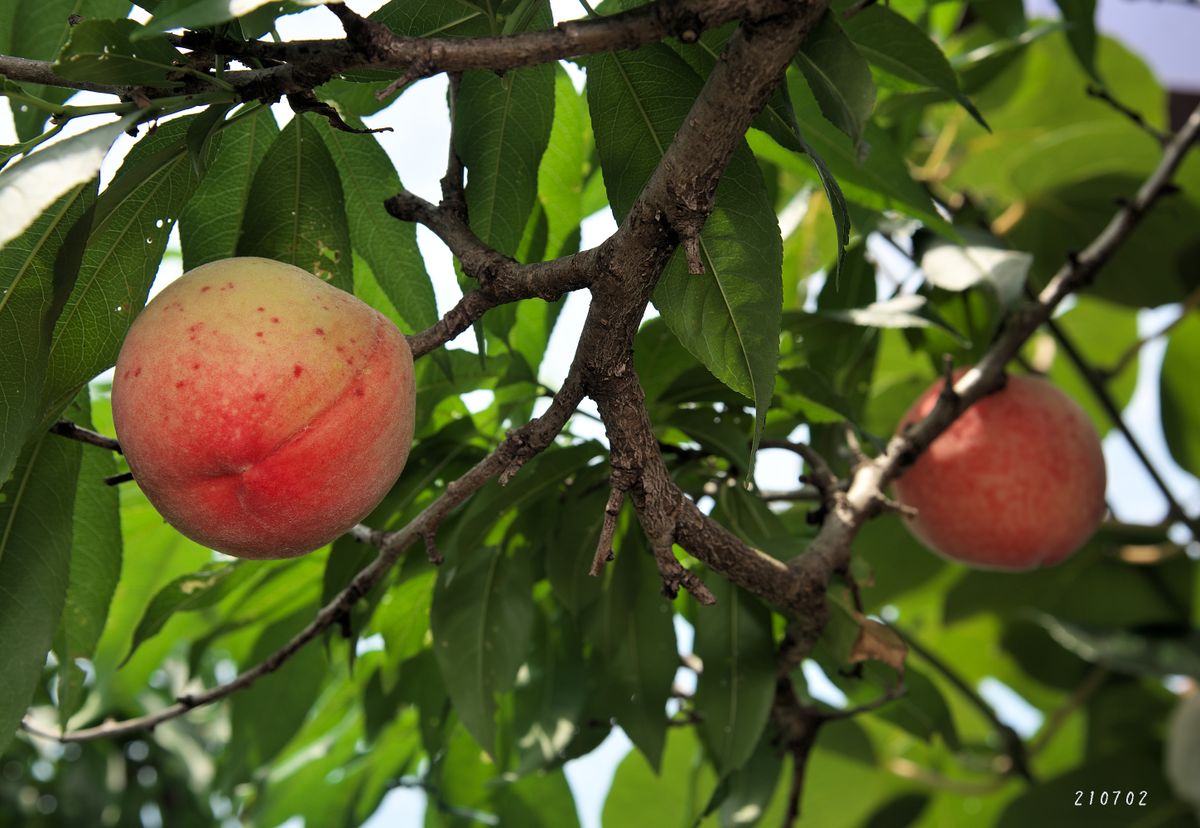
point(537, 478)
point(402, 616)
point(196, 14)
point(104, 51)
point(909, 311)
point(296, 212)
point(880, 181)
point(727, 317)
point(265, 716)
point(38, 29)
point(550, 694)
point(27, 314)
point(725, 434)
point(750, 789)
point(198, 590)
point(921, 711)
point(95, 566)
point(838, 77)
point(736, 688)
point(1128, 652)
point(1177, 393)
point(573, 539)
point(564, 165)
point(643, 795)
point(895, 45)
point(200, 134)
point(132, 222)
point(211, 221)
point(634, 646)
point(30, 186)
point(542, 799)
point(1101, 332)
point(36, 508)
point(481, 618)
point(387, 245)
point(959, 267)
point(502, 126)
point(1081, 31)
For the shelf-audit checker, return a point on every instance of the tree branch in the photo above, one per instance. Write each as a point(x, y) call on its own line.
point(518, 447)
point(301, 65)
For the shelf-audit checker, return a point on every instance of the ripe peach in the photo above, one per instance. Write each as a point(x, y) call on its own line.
point(1016, 482)
point(262, 411)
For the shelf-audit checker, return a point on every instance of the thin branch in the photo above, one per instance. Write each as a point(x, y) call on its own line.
point(1014, 746)
point(522, 443)
point(1100, 93)
point(1189, 303)
point(604, 547)
point(68, 429)
point(819, 473)
point(301, 65)
point(1175, 510)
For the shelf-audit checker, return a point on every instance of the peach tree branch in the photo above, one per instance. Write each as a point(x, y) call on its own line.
point(302, 65)
point(514, 450)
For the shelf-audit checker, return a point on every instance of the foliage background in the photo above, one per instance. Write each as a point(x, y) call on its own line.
point(1095, 650)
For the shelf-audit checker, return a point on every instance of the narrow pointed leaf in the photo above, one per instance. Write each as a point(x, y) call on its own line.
point(35, 558)
point(29, 186)
point(133, 220)
point(388, 246)
point(838, 76)
point(895, 45)
point(102, 51)
point(27, 315)
point(211, 222)
point(501, 128)
point(296, 211)
point(95, 566)
point(482, 617)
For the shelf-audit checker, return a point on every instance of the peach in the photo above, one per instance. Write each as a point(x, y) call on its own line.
point(1016, 482)
point(263, 411)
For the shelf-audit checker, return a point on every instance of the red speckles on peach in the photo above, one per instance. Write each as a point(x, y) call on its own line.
point(259, 396)
point(258, 333)
point(275, 320)
point(226, 286)
point(195, 366)
point(260, 310)
point(353, 341)
point(180, 384)
point(206, 289)
point(297, 370)
point(341, 348)
point(319, 331)
point(359, 391)
point(137, 372)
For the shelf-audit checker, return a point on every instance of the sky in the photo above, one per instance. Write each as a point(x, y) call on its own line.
point(1164, 33)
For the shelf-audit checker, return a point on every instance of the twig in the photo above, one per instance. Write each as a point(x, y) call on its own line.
point(68, 429)
point(533, 437)
point(604, 547)
point(819, 473)
point(1100, 93)
point(1014, 746)
point(1175, 510)
point(1189, 303)
point(301, 65)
